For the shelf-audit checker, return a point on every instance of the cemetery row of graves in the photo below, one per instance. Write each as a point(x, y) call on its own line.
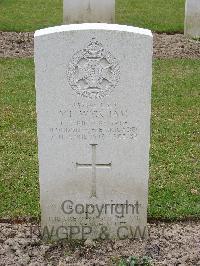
point(157, 15)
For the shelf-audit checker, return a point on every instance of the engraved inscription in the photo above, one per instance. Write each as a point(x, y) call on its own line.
point(93, 72)
point(86, 121)
point(93, 166)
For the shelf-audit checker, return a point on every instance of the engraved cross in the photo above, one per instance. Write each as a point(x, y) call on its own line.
point(94, 167)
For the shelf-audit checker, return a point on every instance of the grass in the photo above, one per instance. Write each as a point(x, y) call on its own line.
point(157, 15)
point(131, 261)
point(18, 146)
point(174, 183)
point(27, 15)
point(175, 186)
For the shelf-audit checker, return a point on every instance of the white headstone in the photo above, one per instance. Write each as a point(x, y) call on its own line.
point(93, 84)
point(192, 18)
point(88, 11)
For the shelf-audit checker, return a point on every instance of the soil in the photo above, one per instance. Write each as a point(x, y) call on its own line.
point(168, 244)
point(16, 45)
point(176, 46)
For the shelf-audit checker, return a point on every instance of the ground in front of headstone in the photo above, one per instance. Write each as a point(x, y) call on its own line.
point(13, 44)
point(168, 244)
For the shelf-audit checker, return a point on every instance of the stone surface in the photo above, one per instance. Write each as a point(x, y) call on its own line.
point(88, 11)
point(192, 18)
point(93, 85)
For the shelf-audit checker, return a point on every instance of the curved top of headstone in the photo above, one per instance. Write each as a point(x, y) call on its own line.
point(92, 26)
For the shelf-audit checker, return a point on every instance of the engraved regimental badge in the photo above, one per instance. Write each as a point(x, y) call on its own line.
point(93, 72)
